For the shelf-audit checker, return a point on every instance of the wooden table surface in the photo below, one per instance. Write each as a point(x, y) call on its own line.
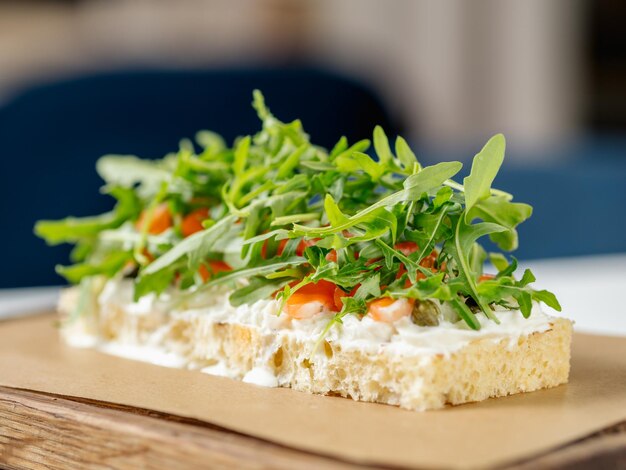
point(43, 431)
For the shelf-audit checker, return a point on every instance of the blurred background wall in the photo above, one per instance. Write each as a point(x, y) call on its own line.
point(450, 69)
point(447, 74)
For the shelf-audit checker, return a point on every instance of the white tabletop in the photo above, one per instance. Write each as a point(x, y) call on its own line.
point(591, 290)
point(22, 301)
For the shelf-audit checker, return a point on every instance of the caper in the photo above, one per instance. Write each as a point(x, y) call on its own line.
point(425, 313)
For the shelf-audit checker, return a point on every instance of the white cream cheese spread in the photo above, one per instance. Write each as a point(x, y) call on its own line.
point(366, 333)
point(262, 376)
point(401, 337)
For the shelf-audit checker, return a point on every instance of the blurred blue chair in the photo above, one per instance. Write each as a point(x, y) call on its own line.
point(579, 208)
point(51, 136)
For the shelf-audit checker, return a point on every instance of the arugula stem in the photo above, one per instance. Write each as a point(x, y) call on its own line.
point(459, 187)
point(332, 322)
point(468, 275)
point(465, 313)
point(427, 247)
point(141, 244)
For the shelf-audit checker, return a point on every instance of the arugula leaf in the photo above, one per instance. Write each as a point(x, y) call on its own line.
point(195, 247)
point(360, 161)
point(72, 229)
point(465, 236)
point(430, 177)
point(108, 266)
point(547, 298)
point(241, 156)
point(434, 233)
point(259, 288)
point(370, 287)
point(291, 162)
point(476, 259)
point(212, 143)
point(414, 186)
point(128, 170)
point(360, 146)
point(432, 287)
point(484, 169)
point(340, 146)
point(500, 262)
point(500, 210)
point(76, 229)
point(156, 282)
point(258, 103)
point(411, 266)
point(381, 145)
point(406, 155)
point(333, 213)
point(527, 278)
point(260, 270)
point(465, 313)
point(443, 195)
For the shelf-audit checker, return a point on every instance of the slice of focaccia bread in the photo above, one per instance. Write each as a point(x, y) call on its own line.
point(417, 368)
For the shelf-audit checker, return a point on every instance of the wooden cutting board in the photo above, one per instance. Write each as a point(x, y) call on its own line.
point(44, 431)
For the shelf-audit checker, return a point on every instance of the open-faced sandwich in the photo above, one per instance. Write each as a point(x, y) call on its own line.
point(279, 263)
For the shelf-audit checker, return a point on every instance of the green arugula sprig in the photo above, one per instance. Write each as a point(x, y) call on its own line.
point(436, 213)
point(284, 213)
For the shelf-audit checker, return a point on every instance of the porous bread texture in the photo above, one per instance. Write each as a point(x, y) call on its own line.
point(484, 368)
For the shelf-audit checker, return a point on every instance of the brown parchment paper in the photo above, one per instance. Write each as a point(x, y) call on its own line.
point(489, 433)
